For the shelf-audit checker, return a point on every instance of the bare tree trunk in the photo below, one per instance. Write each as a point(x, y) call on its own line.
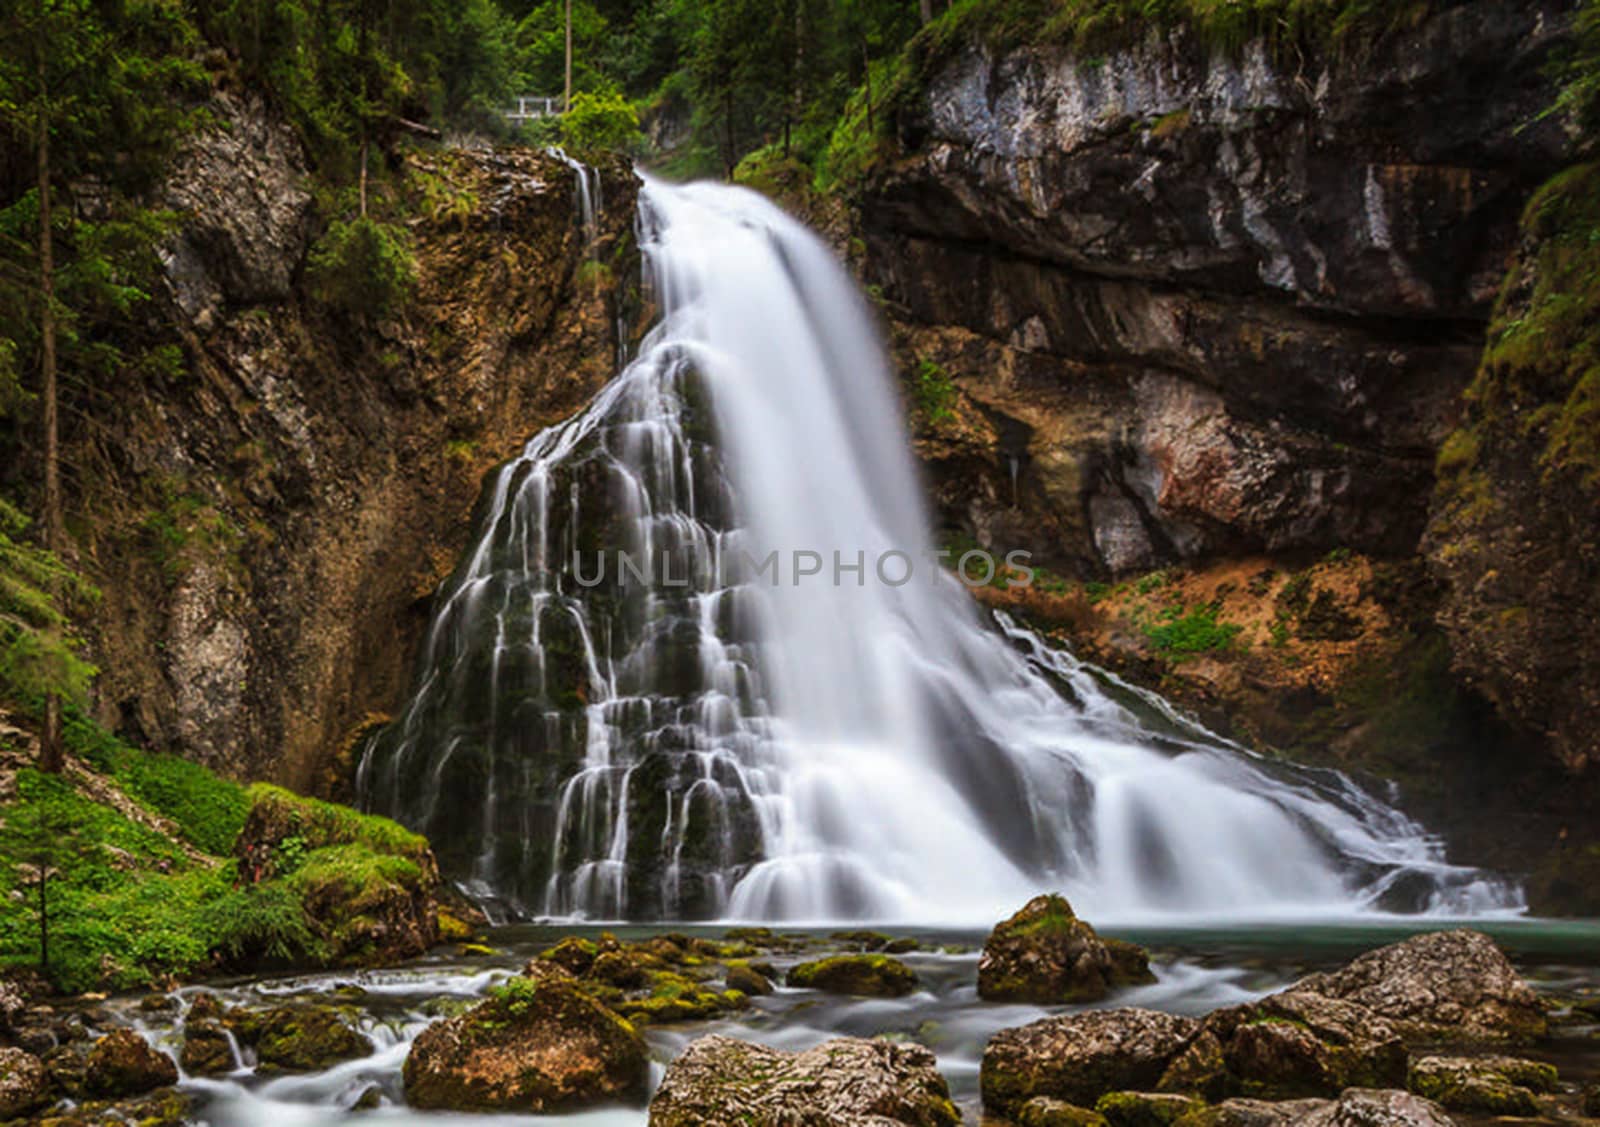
point(797, 83)
point(926, 10)
point(866, 69)
point(363, 189)
point(44, 921)
point(50, 750)
point(566, 97)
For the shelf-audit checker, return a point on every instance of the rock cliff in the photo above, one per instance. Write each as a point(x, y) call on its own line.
point(1201, 300)
point(268, 525)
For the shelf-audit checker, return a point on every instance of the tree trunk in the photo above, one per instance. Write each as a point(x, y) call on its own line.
point(50, 751)
point(44, 922)
point(866, 69)
point(566, 96)
point(926, 10)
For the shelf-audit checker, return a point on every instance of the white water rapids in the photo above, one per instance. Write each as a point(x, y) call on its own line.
point(838, 745)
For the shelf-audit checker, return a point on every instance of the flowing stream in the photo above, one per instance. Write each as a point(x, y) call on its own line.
point(1198, 969)
point(701, 663)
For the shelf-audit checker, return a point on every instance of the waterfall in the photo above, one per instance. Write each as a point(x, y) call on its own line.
point(701, 662)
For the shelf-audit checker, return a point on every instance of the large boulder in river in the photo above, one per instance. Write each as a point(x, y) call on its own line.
point(1077, 1058)
point(122, 1063)
point(539, 1044)
point(1442, 986)
point(24, 1083)
point(877, 976)
point(722, 1082)
point(1047, 955)
point(1289, 1045)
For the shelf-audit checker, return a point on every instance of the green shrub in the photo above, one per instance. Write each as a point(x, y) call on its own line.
point(599, 123)
point(363, 267)
point(933, 391)
point(1182, 634)
point(263, 921)
point(39, 653)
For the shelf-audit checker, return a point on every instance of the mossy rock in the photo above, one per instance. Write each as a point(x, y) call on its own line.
point(1046, 955)
point(1042, 1111)
point(1490, 1085)
point(305, 1038)
point(743, 978)
point(573, 954)
point(122, 1063)
point(452, 928)
point(1146, 1109)
point(538, 1045)
point(876, 976)
point(674, 997)
point(207, 1050)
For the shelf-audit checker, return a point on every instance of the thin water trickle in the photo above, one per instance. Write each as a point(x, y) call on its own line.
point(618, 712)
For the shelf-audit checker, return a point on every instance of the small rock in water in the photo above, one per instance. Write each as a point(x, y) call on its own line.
point(370, 1100)
point(742, 977)
point(1045, 954)
point(1146, 1109)
point(122, 1063)
point(302, 1037)
point(206, 1049)
point(722, 1082)
point(877, 976)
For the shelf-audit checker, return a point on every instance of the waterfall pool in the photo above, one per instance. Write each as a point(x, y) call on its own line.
point(1199, 968)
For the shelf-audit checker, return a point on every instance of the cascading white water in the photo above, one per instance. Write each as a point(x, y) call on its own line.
point(719, 739)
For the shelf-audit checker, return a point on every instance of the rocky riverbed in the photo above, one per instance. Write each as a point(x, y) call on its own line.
point(321, 1048)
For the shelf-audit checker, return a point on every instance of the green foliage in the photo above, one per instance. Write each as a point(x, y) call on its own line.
point(1154, 581)
point(933, 392)
point(1180, 633)
point(363, 267)
point(600, 123)
point(39, 654)
point(259, 922)
point(516, 995)
point(322, 824)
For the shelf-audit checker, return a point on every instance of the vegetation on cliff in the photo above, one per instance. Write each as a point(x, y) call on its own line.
point(120, 872)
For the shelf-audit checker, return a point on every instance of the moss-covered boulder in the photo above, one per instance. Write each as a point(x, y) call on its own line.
point(301, 1037)
point(207, 1049)
point(1045, 954)
point(668, 996)
point(722, 1082)
point(368, 886)
point(24, 1083)
point(574, 954)
point(1077, 1058)
point(876, 976)
point(1491, 1085)
point(122, 1063)
point(538, 1044)
point(1042, 1111)
point(1449, 986)
point(747, 980)
point(1146, 1109)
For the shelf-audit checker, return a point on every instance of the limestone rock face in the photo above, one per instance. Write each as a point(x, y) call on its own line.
point(1209, 300)
point(1077, 1058)
point(1045, 954)
point(849, 1082)
point(539, 1046)
point(1455, 985)
point(267, 527)
point(122, 1063)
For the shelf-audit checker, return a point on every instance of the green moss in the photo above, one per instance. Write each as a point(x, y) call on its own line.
point(323, 824)
point(933, 392)
point(1180, 633)
point(872, 975)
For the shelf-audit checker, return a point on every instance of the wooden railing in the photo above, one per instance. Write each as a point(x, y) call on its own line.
point(532, 107)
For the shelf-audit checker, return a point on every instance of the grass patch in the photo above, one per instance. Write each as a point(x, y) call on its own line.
point(1179, 633)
